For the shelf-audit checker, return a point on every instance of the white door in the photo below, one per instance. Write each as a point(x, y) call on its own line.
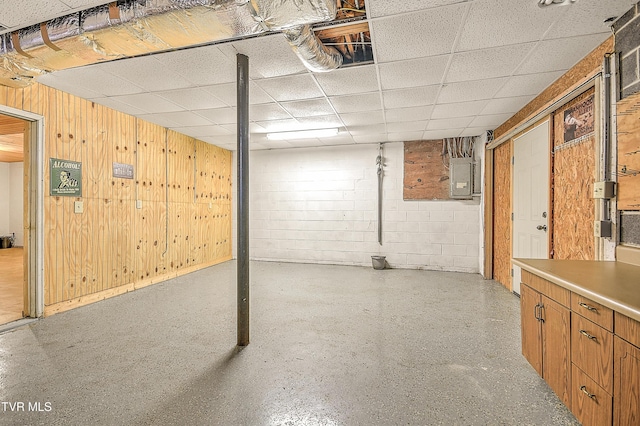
point(530, 197)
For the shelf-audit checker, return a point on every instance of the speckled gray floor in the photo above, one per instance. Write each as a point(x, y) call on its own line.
point(331, 345)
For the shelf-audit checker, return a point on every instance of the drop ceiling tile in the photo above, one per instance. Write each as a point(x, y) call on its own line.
point(228, 93)
point(253, 128)
point(226, 115)
point(404, 136)
point(417, 96)
point(506, 105)
point(320, 122)
point(356, 103)
point(192, 99)
point(97, 80)
point(367, 130)
point(202, 131)
point(200, 66)
point(372, 138)
point(470, 90)
point(473, 131)
point(148, 102)
point(430, 135)
point(400, 115)
point(558, 55)
point(64, 84)
point(449, 123)
point(343, 138)
point(362, 118)
point(291, 88)
point(308, 108)
point(158, 119)
point(404, 36)
point(487, 63)
point(587, 17)
point(489, 122)
point(183, 119)
point(281, 125)
point(269, 56)
point(348, 81)
point(29, 12)
point(146, 72)
point(414, 72)
point(527, 85)
point(267, 112)
point(409, 126)
point(492, 23)
point(119, 106)
point(377, 8)
point(462, 109)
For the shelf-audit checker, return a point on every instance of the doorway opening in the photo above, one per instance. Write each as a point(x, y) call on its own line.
point(21, 218)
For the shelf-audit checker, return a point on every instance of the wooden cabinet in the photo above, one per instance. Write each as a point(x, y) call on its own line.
point(546, 339)
point(626, 377)
point(591, 404)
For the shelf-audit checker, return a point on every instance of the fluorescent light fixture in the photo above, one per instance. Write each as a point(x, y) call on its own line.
point(303, 134)
point(545, 3)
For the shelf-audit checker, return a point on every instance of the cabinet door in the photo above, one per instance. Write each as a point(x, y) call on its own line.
point(556, 349)
point(626, 401)
point(530, 327)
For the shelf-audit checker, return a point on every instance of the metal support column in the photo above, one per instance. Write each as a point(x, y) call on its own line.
point(243, 199)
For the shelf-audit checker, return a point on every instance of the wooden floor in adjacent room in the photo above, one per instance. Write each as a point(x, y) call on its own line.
point(11, 284)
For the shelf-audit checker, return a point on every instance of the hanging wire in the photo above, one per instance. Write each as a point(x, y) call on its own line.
point(625, 171)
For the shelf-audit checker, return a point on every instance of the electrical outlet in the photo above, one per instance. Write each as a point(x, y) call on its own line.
point(78, 207)
point(138, 204)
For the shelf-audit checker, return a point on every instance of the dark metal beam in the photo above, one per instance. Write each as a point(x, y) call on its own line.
point(243, 199)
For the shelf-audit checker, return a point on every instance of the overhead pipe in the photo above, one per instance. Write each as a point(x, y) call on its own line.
point(314, 55)
point(380, 172)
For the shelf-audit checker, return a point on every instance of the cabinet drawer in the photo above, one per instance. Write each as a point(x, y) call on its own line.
point(593, 311)
point(592, 351)
point(549, 289)
point(590, 403)
point(628, 329)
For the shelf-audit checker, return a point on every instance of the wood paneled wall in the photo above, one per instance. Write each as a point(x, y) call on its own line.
point(628, 116)
point(502, 228)
point(182, 184)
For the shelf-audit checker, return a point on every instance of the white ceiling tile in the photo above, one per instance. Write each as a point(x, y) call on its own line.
point(148, 102)
point(408, 126)
point(202, 131)
point(473, 131)
point(372, 138)
point(97, 80)
point(531, 84)
point(430, 135)
point(192, 99)
point(266, 112)
point(367, 130)
point(417, 96)
point(183, 119)
point(494, 23)
point(416, 35)
point(400, 115)
point(281, 125)
point(308, 108)
point(67, 84)
point(461, 109)
point(505, 105)
point(404, 136)
point(200, 66)
point(253, 128)
point(320, 121)
point(118, 106)
point(470, 90)
point(414, 72)
point(587, 17)
point(146, 72)
point(489, 122)
point(269, 56)
point(356, 103)
point(362, 118)
point(29, 12)
point(343, 138)
point(228, 93)
point(348, 81)
point(159, 119)
point(449, 123)
point(377, 8)
point(226, 115)
point(558, 55)
point(290, 88)
point(487, 63)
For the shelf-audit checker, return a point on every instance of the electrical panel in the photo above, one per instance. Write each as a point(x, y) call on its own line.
point(461, 177)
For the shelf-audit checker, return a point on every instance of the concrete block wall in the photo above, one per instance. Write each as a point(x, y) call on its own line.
point(627, 43)
point(319, 205)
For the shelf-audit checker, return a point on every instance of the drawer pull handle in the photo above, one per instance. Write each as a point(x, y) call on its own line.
point(586, 392)
point(588, 307)
point(587, 335)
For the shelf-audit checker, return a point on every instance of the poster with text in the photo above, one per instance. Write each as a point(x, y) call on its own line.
point(66, 178)
point(578, 120)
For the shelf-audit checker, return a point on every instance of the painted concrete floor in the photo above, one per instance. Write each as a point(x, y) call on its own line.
point(331, 345)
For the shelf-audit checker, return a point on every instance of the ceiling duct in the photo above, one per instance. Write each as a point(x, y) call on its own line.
point(130, 28)
point(314, 55)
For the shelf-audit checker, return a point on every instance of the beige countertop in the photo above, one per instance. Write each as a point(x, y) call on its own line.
point(615, 285)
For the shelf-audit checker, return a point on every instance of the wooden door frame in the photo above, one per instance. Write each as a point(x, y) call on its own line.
point(33, 213)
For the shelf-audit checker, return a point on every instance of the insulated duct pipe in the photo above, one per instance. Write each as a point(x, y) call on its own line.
point(137, 27)
point(314, 55)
